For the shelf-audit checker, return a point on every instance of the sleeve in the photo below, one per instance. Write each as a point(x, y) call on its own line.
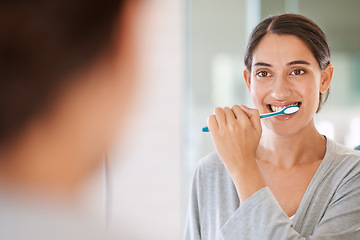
point(261, 217)
point(192, 226)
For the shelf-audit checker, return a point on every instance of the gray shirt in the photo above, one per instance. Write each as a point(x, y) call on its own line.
point(330, 208)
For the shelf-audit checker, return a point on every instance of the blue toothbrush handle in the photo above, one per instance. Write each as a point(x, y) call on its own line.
point(270, 114)
point(205, 129)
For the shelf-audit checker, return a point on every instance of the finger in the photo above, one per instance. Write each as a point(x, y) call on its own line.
point(238, 112)
point(229, 115)
point(212, 123)
point(220, 116)
point(254, 116)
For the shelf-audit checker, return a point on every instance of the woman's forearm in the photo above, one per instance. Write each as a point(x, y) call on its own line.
point(236, 134)
point(247, 180)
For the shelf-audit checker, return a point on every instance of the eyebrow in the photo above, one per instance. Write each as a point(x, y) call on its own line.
point(298, 62)
point(263, 64)
point(288, 64)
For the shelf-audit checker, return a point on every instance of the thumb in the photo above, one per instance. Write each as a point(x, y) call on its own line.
point(254, 116)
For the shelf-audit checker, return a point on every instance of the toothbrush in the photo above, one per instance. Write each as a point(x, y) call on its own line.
point(285, 111)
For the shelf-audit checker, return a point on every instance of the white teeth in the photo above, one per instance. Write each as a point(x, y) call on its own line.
point(278, 108)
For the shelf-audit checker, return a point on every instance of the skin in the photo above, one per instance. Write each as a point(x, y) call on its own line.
point(59, 148)
point(282, 152)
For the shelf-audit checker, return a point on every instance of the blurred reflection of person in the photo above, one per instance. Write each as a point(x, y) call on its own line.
point(67, 76)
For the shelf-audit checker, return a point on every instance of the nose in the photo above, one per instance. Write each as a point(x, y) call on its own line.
point(281, 89)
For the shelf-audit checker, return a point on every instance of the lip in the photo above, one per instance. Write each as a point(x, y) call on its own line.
point(282, 104)
point(285, 117)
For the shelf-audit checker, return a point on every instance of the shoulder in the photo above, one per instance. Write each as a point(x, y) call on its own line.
point(343, 155)
point(211, 164)
point(345, 164)
point(211, 172)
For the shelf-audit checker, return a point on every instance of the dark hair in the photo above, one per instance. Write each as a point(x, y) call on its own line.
point(42, 42)
point(297, 25)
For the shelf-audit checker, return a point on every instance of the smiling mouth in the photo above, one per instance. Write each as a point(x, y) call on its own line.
point(274, 108)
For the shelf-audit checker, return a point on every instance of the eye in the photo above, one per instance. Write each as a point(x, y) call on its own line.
point(263, 74)
point(298, 72)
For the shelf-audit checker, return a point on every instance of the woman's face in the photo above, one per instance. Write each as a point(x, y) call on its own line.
point(285, 72)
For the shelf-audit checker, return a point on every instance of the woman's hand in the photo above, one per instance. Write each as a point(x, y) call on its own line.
point(236, 134)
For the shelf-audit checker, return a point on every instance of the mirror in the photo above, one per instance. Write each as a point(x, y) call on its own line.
point(217, 36)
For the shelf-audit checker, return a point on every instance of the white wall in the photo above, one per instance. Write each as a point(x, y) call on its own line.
point(145, 169)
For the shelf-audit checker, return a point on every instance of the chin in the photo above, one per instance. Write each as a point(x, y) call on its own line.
point(287, 127)
point(284, 133)
point(281, 126)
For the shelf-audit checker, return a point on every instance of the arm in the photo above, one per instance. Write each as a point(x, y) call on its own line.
point(236, 134)
point(260, 217)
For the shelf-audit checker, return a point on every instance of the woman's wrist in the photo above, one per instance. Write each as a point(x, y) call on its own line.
point(247, 180)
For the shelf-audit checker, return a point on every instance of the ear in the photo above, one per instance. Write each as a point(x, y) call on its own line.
point(326, 78)
point(247, 78)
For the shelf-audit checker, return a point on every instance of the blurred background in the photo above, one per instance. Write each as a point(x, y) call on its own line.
point(192, 53)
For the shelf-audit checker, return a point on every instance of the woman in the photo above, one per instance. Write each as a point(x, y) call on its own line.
point(277, 178)
point(67, 75)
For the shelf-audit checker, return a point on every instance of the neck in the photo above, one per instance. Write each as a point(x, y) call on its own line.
point(37, 176)
point(288, 151)
point(42, 166)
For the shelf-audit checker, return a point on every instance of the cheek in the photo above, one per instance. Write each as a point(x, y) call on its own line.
point(310, 90)
point(258, 93)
